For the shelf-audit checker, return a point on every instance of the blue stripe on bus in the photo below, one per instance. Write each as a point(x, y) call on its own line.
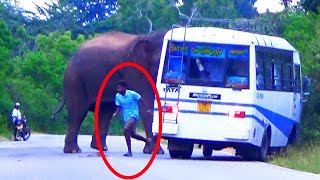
point(283, 123)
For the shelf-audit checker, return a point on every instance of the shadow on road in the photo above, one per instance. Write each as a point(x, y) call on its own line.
point(218, 158)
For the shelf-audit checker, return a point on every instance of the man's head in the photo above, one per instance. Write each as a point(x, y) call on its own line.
point(17, 105)
point(122, 87)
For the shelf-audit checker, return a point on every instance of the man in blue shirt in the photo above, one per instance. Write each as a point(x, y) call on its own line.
point(127, 102)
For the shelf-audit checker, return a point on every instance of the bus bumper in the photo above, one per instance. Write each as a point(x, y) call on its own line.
point(207, 129)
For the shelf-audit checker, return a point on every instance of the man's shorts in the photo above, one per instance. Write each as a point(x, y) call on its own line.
point(131, 123)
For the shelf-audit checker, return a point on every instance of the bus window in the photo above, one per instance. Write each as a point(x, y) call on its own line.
point(287, 77)
point(268, 75)
point(206, 69)
point(237, 74)
point(297, 79)
point(260, 70)
point(219, 66)
point(288, 83)
point(172, 72)
point(208, 64)
point(277, 76)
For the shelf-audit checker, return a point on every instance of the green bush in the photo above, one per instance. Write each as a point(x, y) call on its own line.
point(303, 32)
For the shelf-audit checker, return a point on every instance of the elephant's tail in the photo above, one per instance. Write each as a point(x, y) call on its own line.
point(60, 106)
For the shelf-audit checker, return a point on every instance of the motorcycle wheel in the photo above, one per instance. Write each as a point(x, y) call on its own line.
point(26, 134)
point(18, 136)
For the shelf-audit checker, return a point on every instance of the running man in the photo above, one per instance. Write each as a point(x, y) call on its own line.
point(127, 102)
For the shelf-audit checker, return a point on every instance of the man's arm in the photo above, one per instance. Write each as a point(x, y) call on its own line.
point(118, 104)
point(117, 111)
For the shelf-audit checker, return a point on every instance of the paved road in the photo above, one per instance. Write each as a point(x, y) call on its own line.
point(42, 158)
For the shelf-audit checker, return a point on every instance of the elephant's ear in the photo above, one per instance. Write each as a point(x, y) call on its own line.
point(140, 51)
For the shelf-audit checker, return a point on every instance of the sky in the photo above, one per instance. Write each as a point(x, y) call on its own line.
point(262, 5)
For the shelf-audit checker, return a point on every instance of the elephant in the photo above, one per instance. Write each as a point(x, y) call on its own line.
point(84, 75)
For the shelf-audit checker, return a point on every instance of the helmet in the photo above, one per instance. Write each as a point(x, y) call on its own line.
point(17, 105)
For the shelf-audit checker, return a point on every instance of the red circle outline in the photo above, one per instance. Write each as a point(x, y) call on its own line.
point(96, 118)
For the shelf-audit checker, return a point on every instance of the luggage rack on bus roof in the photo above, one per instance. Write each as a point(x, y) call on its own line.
point(246, 25)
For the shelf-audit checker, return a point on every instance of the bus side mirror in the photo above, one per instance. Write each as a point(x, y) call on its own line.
point(306, 88)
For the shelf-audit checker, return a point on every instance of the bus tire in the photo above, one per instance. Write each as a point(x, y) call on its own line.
point(292, 139)
point(263, 150)
point(174, 154)
point(207, 151)
point(180, 154)
point(259, 153)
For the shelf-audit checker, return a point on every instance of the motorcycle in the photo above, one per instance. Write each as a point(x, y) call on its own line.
point(23, 131)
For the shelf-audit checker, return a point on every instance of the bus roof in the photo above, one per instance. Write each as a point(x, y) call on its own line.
point(227, 36)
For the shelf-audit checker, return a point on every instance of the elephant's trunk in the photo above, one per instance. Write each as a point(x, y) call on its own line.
point(60, 106)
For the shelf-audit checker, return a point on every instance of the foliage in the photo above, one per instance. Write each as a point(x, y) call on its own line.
point(311, 5)
point(303, 32)
point(246, 8)
point(92, 11)
point(221, 8)
point(145, 16)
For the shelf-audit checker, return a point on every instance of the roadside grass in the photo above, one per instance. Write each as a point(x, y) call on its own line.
point(303, 157)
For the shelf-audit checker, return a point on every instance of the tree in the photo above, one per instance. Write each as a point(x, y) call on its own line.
point(92, 11)
point(286, 3)
point(217, 9)
point(139, 17)
point(77, 15)
point(311, 5)
point(246, 8)
point(61, 16)
point(302, 31)
point(6, 46)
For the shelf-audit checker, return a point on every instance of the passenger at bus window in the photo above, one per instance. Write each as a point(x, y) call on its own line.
point(203, 72)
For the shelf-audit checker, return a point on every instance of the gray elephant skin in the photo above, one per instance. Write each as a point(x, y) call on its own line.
point(88, 67)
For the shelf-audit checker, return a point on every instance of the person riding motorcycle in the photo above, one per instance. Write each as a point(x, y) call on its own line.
point(16, 116)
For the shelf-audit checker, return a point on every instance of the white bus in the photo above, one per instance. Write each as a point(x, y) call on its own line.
point(225, 88)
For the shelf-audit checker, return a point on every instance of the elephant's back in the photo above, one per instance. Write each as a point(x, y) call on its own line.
point(111, 40)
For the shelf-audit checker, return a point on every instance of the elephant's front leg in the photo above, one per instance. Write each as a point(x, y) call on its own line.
point(147, 117)
point(105, 115)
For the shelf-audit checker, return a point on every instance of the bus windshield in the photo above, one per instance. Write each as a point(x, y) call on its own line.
point(206, 64)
